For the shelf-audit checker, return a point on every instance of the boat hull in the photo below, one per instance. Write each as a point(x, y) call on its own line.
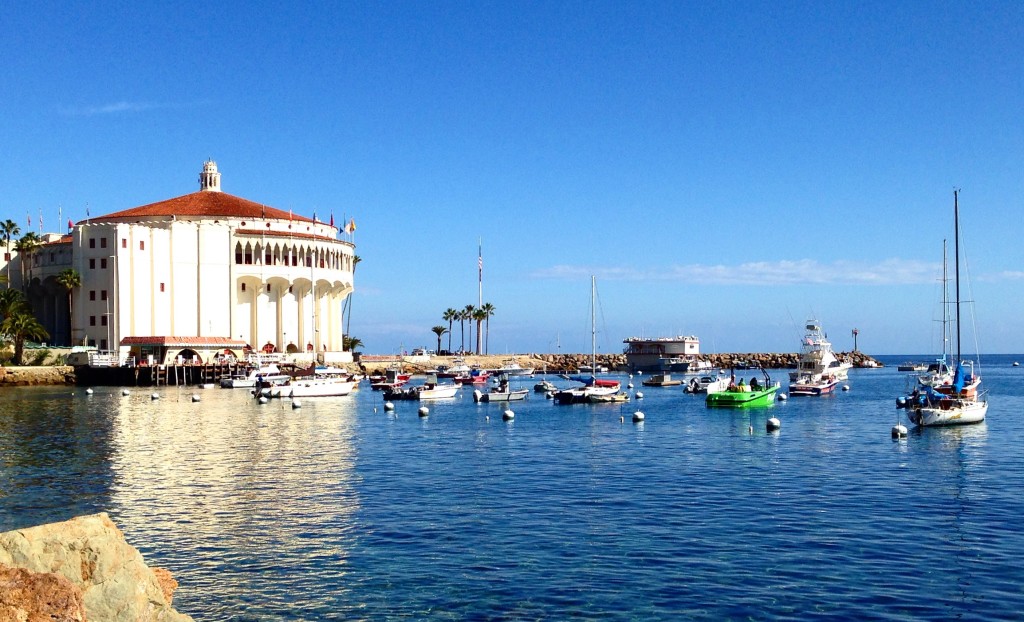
point(813, 389)
point(314, 388)
point(741, 399)
point(949, 412)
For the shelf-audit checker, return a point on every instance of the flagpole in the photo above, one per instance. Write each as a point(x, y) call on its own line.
point(480, 273)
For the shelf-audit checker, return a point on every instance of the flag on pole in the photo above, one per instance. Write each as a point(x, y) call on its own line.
point(351, 226)
point(29, 216)
point(332, 219)
point(71, 225)
point(40, 221)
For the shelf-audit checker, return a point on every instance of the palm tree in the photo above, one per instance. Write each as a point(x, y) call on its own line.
point(9, 229)
point(69, 279)
point(450, 315)
point(351, 343)
point(479, 315)
point(489, 309)
point(19, 326)
point(439, 331)
point(26, 247)
point(11, 300)
point(464, 316)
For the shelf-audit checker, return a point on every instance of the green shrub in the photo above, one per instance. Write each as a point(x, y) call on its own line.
point(39, 357)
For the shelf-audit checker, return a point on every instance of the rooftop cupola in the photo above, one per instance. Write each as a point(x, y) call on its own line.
point(209, 179)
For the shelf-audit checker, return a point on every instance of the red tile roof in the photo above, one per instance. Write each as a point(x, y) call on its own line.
point(206, 204)
point(203, 342)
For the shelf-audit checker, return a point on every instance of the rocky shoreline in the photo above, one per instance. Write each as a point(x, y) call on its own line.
point(570, 363)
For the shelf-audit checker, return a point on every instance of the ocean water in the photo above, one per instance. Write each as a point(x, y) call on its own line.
point(342, 511)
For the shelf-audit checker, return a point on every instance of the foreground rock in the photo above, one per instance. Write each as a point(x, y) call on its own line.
point(43, 568)
point(33, 376)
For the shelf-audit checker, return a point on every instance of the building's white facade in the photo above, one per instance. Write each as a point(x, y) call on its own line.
point(212, 265)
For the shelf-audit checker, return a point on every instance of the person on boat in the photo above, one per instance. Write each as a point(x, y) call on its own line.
point(742, 387)
point(732, 383)
point(754, 384)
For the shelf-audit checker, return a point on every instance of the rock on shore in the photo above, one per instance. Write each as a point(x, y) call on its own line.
point(81, 569)
point(29, 376)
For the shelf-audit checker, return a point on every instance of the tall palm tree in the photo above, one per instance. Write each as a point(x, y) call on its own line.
point(19, 326)
point(9, 229)
point(450, 315)
point(26, 247)
point(351, 343)
point(479, 315)
point(489, 309)
point(439, 331)
point(464, 316)
point(69, 279)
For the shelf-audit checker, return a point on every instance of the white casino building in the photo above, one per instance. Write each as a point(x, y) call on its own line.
point(210, 272)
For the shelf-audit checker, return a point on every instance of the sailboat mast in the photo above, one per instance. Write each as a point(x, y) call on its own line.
point(956, 263)
point(593, 324)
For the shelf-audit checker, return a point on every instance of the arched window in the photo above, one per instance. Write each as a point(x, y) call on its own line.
point(248, 254)
point(238, 252)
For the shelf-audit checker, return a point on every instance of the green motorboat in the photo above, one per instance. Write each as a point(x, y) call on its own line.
point(744, 396)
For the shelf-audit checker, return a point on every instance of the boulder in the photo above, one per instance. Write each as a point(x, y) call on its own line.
point(29, 596)
point(93, 555)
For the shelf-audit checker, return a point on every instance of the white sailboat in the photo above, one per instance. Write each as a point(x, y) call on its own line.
point(592, 385)
point(962, 404)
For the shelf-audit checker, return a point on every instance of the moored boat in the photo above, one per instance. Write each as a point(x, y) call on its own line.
point(661, 380)
point(743, 396)
point(959, 402)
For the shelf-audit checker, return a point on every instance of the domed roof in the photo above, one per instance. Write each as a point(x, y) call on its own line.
point(202, 205)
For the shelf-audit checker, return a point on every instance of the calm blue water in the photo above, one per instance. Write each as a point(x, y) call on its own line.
point(338, 511)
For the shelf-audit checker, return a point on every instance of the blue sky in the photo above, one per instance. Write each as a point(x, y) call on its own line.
point(725, 169)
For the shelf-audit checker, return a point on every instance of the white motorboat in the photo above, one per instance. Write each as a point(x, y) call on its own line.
point(817, 360)
point(511, 367)
point(265, 375)
point(708, 384)
point(319, 386)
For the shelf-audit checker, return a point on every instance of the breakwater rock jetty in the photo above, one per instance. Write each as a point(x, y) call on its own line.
point(82, 569)
point(571, 363)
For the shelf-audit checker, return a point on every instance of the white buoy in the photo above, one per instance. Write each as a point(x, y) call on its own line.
point(88, 391)
point(154, 396)
point(629, 386)
point(639, 395)
point(424, 411)
point(487, 417)
point(508, 415)
point(638, 416)
point(477, 395)
point(263, 399)
point(195, 398)
point(899, 431)
point(639, 373)
point(388, 406)
point(846, 387)
point(783, 397)
point(621, 419)
point(296, 403)
point(773, 424)
point(123, 391)
point(750, 429)
point(550, 395)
